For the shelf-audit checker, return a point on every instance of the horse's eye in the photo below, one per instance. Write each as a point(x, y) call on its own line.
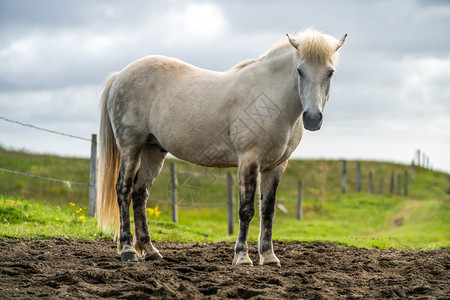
point(300, 73)
point(330, 73)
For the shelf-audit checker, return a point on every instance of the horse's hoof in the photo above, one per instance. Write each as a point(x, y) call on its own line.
point(242, 262)
point(269, 259)
point(129, 256)
point(242, 259)
point(155, 256)
point(274, 264)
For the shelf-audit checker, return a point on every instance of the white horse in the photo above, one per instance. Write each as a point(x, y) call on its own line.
point(251, 117)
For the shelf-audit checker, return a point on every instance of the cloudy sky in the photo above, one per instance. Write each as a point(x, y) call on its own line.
point(390, 96)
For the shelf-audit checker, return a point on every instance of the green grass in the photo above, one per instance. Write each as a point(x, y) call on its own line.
point(35, 208)
point(64, 168)
point(358, 220)
point(421, 225)
point(28, 218)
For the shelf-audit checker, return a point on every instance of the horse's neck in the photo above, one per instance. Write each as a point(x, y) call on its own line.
point(276, 77)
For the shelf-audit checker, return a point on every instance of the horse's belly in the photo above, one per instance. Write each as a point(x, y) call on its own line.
point(218, 155)
point(212, 147)
point(209, 154)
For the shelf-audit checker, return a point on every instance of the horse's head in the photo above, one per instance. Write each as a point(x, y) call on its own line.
point(317, 57)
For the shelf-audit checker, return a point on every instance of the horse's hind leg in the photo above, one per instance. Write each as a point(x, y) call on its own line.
point(152, 159)
point(269, 184)
point(129, 164)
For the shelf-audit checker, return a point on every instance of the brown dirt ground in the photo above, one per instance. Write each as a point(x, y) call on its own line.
point(77, 269)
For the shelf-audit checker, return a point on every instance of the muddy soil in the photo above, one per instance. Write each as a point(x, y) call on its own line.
point(77, 269)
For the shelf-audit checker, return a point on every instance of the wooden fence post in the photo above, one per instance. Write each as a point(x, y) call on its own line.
point(344, 175)
point(358, 177)
point(418, 157)
point(406, 183)
point(173, 192)
point(391, 183)
point(92, 174)
point(399, 184)
point(230, 193)
point(299, 201)
point(413, 174)
point(370, 182)
point(381, 185)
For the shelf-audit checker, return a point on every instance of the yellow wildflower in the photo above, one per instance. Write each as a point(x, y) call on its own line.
point(82, 218)
point(150, 211)
point(72, 204)
point(157, 211)
point(57, 219)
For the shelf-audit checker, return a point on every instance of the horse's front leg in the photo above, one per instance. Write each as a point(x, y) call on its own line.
point(248, 177)
point(269, 184)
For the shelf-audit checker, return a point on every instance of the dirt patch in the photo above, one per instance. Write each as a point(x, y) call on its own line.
point(397, 222)
point(80, 269)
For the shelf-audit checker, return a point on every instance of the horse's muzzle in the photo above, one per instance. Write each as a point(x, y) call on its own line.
point(312, 121)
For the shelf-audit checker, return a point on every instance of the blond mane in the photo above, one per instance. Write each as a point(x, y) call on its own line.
point(316, 46)
point(313, 45)
point(244, 63)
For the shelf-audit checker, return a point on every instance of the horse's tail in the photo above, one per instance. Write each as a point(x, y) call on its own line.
point(108, 169)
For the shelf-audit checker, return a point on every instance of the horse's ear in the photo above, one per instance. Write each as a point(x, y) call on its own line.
point(341, 42)
point(292, 41)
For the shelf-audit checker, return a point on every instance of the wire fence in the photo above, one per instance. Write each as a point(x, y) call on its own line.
point(64, 181)
point(44, 129)
point(67, 182)
point(314, 186)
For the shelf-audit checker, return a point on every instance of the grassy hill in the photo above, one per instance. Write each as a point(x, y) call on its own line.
point(34, 207)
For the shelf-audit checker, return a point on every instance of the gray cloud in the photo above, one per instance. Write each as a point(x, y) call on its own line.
point(392, 79)
point(70, 42)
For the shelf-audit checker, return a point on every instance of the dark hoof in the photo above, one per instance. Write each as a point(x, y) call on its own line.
point(155, 256)
point(129, 256)
point(273, 265)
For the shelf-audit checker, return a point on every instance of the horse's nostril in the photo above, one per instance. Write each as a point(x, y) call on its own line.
point(312, 120)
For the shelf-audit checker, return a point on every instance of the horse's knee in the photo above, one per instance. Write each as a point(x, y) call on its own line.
point(267, 209)
point(246, 212)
